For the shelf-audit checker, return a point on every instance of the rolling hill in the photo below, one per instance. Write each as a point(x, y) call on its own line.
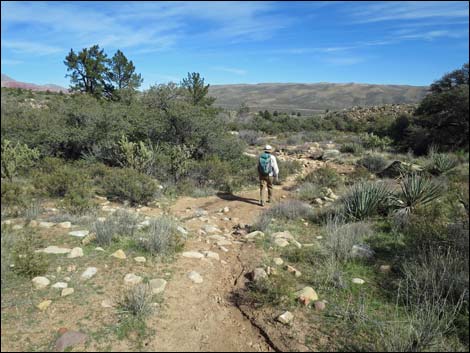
point(286, 97)
point(11, 83)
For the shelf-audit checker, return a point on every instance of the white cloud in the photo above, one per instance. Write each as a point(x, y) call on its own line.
point(232, 70)
point(30, 47)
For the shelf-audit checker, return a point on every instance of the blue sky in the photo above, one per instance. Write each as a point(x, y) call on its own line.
point(242, 42)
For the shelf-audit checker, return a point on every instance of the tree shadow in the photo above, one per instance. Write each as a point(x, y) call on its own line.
point(232, 197)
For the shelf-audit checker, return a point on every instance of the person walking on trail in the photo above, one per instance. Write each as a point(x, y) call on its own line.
point(267, 171)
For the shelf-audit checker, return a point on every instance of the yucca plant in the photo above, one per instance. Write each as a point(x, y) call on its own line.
point(365, 199)
point(417, 191)
point(441, 163)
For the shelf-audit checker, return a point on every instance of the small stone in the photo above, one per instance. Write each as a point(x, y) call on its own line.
point(67, 279)
point(211, 255)
point(60, 285)
point(385, 268)
point(224, 242)
point(89, 273)
point(54, 250)
point(101, 219)
point(33, 223)
point(307, 295)
point(76, 252)
point(283, 235)
point(58, 269)
point(106, 303)
point(320, 305)
point(99, 248)
point(119, 254)
point(223, 248)
point(182, 230)
point(193, 255)
point(17, 227)
point(258, 274)
point(44, 305)
point(70, 339)
point(296, 244)
point(88, 239)
point(278, 261)
point(140, 259)
point(131, 279)
point(65, 225)
point(158, 285)
point(281, 242)
point(254, 235)
point(358, 281)
point(67, 291)
point(319, 237)
point(195, 277)
point(293, 270)
point(71, 268)
point(361, 251)
point(226, 210)
point(210, 229)
point(46, 224)
point(40, 282)
point(79, 233)
point(285, 318)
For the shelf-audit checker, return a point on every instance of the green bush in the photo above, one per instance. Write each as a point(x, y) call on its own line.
point(16, 158)
point(352, 147)
point(441, 163)
point(161, 237)
point(129, 184)
point(373, 162)
point(26, 261)
point(325, 176)
point(375, 142)
point(309, 192)
point(78, 200)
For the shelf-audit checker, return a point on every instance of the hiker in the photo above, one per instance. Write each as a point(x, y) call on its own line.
point(267, 171)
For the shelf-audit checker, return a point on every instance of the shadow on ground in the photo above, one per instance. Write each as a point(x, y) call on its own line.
point(231, 197)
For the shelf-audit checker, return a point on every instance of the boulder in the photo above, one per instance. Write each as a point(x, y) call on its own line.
point(331, 154)
point(307, 295)
point(119, 254)
point(258, 274)
point(285, 318)
point(76, 252)
point(66, 292)
point(158, 285)
point(89, 273)
point(40, 282)
point(79, 233)
point(54, 250)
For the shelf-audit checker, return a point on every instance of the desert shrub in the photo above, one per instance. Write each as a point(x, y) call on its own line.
point(441, 163)
point(16, 196)
point(8, 240)
point(128, 184)
point(325, 176)
point(33, 210)
point(287, 168)
point(16, 158)
point(340, 237)
point(251, 137)
point(375, 142)
point(373, 162)
point(137, 300)
point(161, 238)
point(359, 173)
point(272, 291)
point(26, 261)
point(352, 147)
point(417, 191)
point(78, 199)
point(135, 155)
point(119, 224)
point(365, 199)
point(309, 192)
point(290, 210)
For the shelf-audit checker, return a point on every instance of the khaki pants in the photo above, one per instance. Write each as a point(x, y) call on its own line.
point(268, 181)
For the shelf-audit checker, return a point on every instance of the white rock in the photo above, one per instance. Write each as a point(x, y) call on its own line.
point(358, 281)
point(158, 285)
point(132, 279)
point(60, 285)
point(195, 277)
point(106, 303)
point(182, 230)
point(226, 210)
point(65, 225)
point(46, 224)
point(119, 254)
point(297, 244)
point(99, 248)
point(140, 259)
point(258, 274)
point(254, 235)
point(66, 291)
point(281, 242)
point(211, 255)
point(193, 255)
point(54, 250)
point(79, 233)
point(17, 227)
point(76, 252)
point(89, 273)
point(223, 248)
point(278, 261)
point(224, 242)
point(210, 229)
point(285, 318)
point(40, 282)
point(67, 279)
point(283, 235)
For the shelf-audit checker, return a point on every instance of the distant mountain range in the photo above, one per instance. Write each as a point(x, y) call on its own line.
point(11, 83)
point(288, 97)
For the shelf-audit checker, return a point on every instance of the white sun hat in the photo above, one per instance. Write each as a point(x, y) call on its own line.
point(268, 148)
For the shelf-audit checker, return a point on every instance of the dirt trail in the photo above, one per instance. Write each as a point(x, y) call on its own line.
point(202, 317)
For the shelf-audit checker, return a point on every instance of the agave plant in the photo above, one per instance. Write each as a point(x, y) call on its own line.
point(440, 163)
point(365, 199)
point(417, 191)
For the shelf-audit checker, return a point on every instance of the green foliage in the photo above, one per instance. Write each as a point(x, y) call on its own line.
point(324, 176)
point(352, 147)
point(309, 192)
point(77, 199)
point(137, 156)
point(417, 191)
point(128, 184)
point(161, 238)
point(15, 194)
point(119, 224)
point(375, 142)
point(373, 162)
point(122, 73)
point(26, 261)
point(365, 199)
point(197, 91)
point(16, 158)
point(441, 163)
point(273, 291)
